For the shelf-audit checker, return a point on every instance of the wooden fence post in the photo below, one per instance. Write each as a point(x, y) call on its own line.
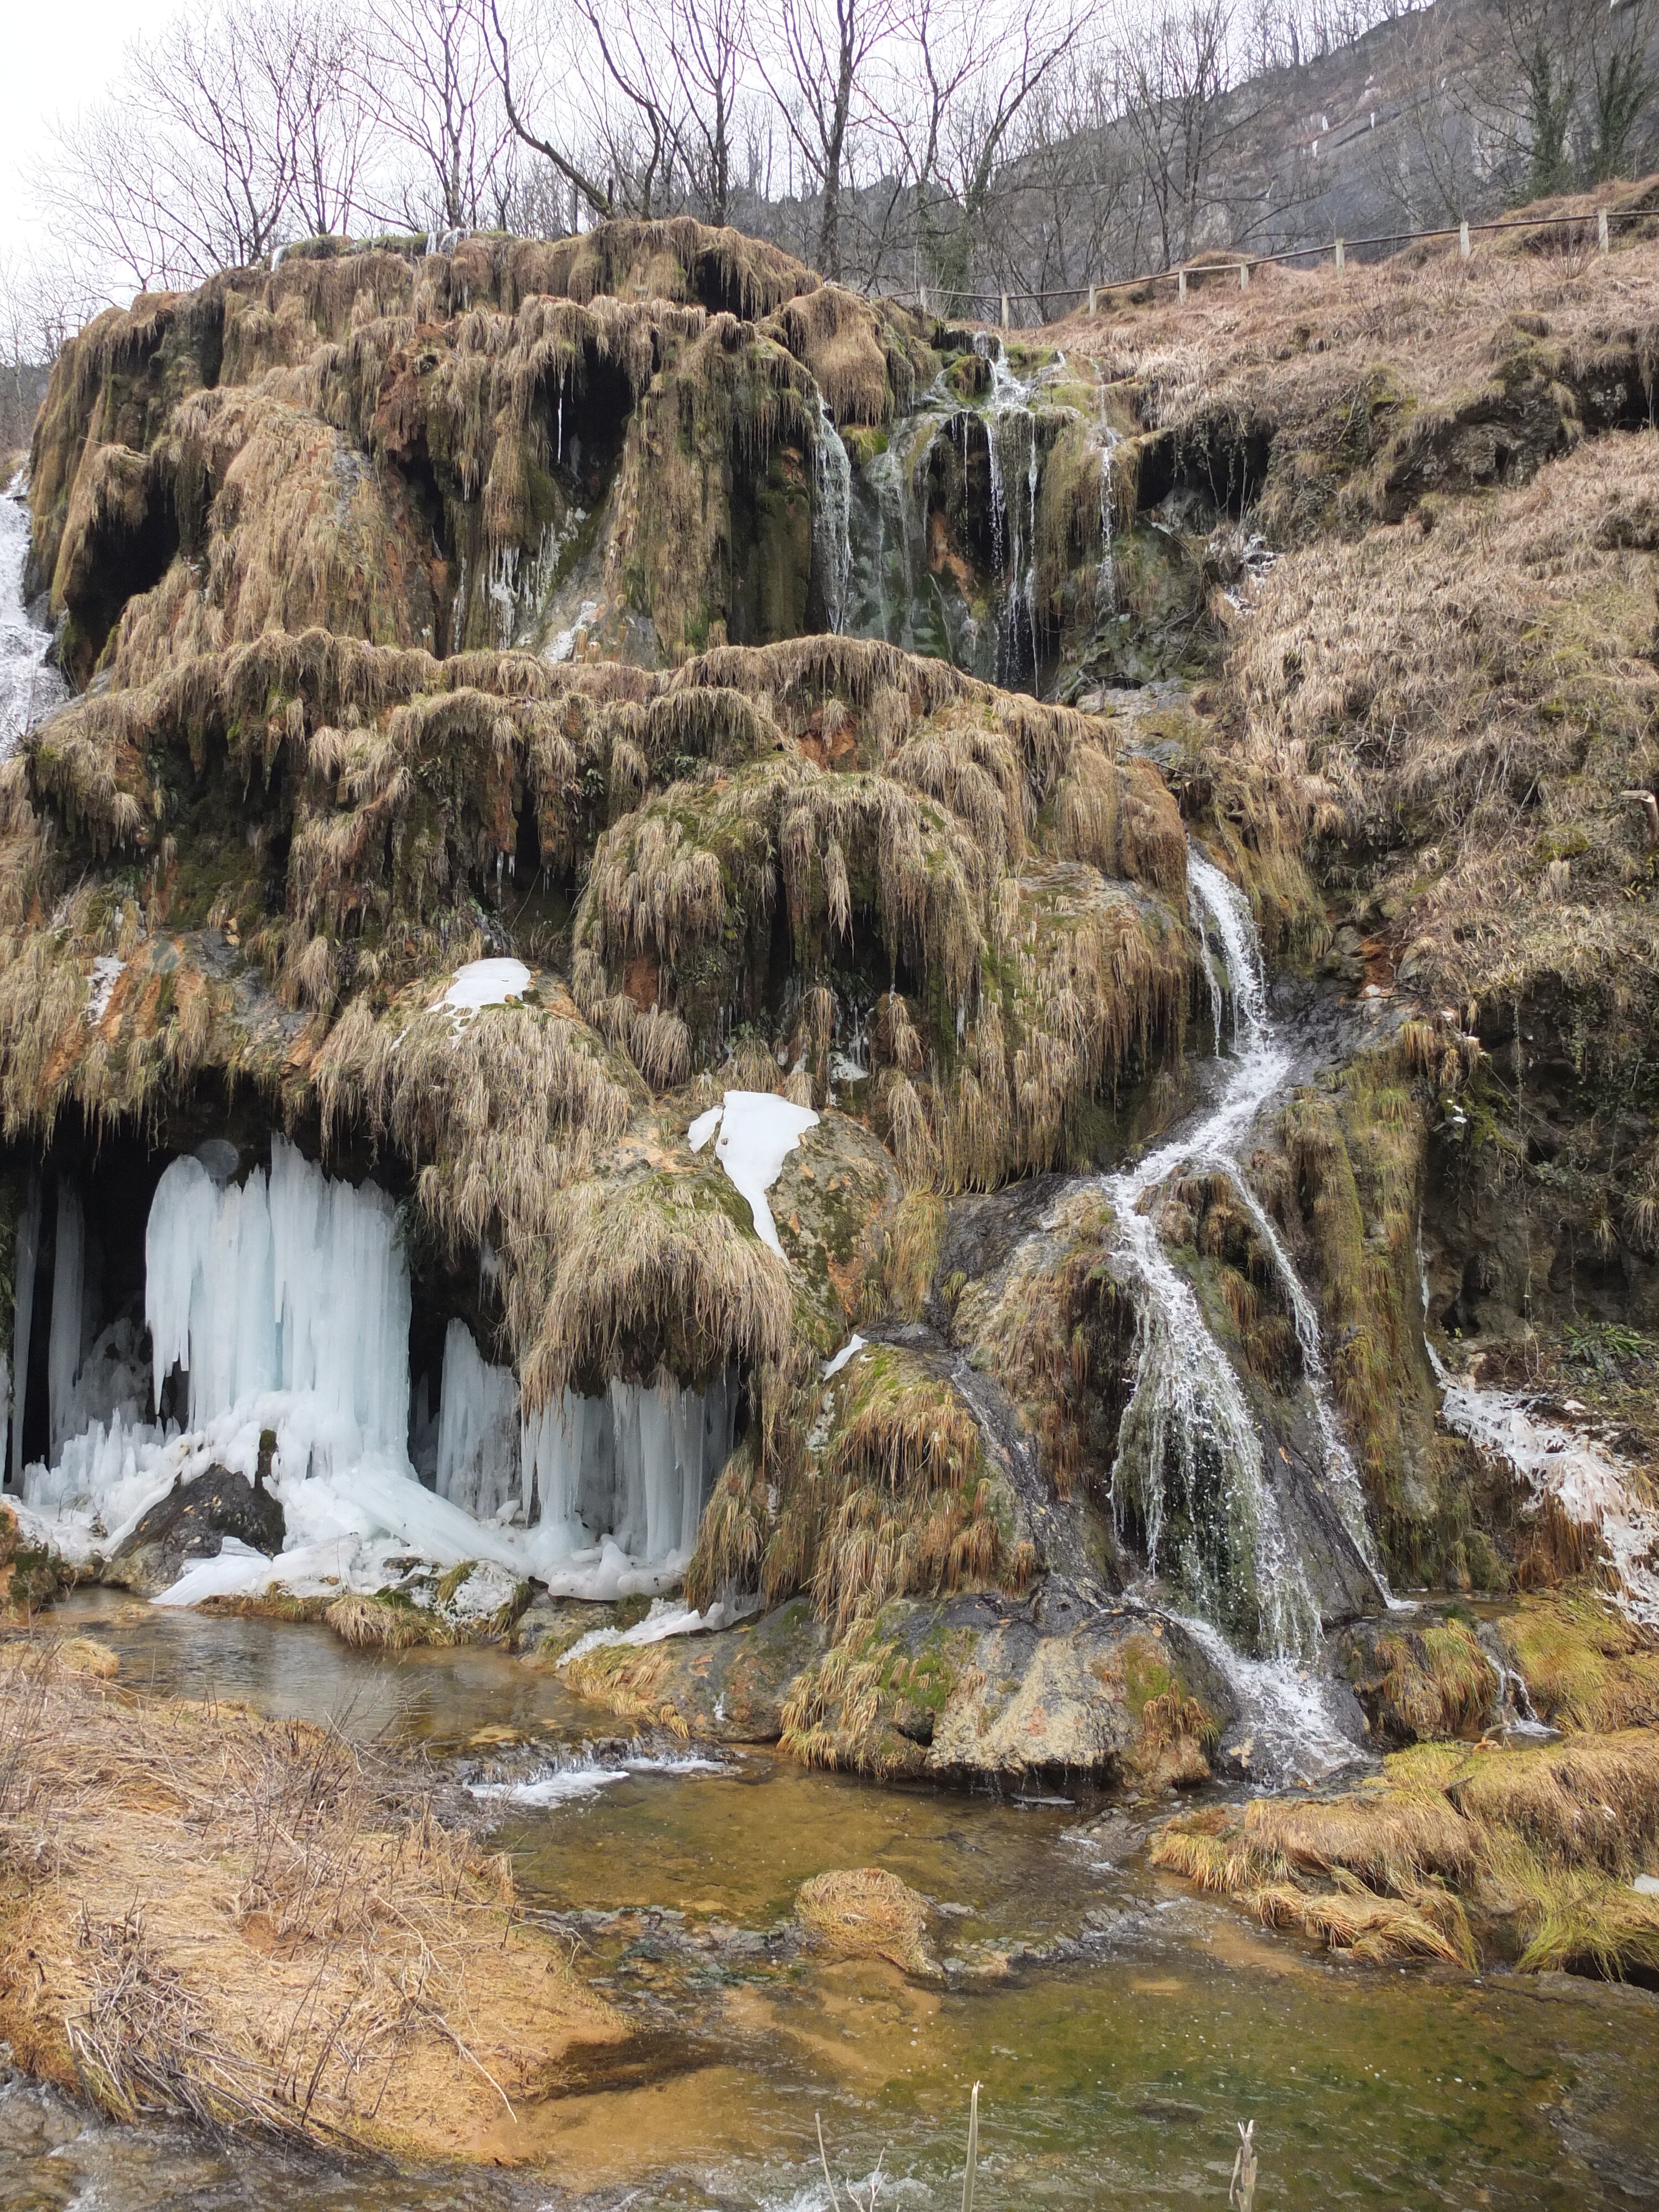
point(1243, 276)
point(1463, 239)
point(1341, 258)
point(1181, 279)
point(1004, 311)
point(1094, 290)
point(1601, 228)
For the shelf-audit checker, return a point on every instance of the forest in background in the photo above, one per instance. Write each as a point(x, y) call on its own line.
point(929, 148)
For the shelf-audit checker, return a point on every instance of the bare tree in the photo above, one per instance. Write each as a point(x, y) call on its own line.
point(954, 94)
point(1430, 164)
point(1173, 73)
point(708, 41)
point(231, 128)
point(43, 299)
point(815, 60)
point(426, 74)
point(525, 52)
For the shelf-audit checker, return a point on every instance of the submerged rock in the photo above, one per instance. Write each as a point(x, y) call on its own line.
point(865, 1912)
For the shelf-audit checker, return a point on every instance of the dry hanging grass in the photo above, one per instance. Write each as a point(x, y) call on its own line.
point(258, 1924)
point(1459, 1855)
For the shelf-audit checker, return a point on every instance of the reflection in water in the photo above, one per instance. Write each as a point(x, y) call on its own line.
point(1116, 2065)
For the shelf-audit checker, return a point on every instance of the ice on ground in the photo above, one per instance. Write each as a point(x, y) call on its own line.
point(483, 983)
point(237, 1571)
point(757, 1131)
point(665, 1619)
point(283, 1303)
point(853, 1344)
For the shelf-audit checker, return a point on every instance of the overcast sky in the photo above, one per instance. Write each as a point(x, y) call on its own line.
point(58, 55)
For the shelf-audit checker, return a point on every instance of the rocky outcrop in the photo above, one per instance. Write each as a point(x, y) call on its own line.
point(190, 1524)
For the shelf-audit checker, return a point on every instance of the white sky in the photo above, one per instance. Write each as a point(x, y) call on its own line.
point(58, 54)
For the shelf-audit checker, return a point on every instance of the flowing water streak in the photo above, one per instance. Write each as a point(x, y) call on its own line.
point(1012, 426)
point(1105, 574)
point(29, 690)
point(1588, 1483)
point(832, 508)
point(1188, 1425)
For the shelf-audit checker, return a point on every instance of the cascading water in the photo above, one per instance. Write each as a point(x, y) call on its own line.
point(29, 689)
point(832, 507)
point(1589, 1482)
point(1105, 573)
point(1011, 449)
point(1190, 1467)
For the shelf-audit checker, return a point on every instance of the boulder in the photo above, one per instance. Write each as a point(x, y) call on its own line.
point(190, 1524)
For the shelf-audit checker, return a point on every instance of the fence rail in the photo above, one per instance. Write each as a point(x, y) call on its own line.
point(928, 298)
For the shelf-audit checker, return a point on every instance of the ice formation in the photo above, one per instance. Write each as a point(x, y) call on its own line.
point(477, 1429)
point(483, 983)
point(283, 1303)
point(757, 1131)
point(294, 1285)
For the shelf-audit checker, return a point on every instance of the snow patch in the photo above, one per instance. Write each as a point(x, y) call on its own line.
point(757, 1131)
point(483, 983)
point(665, 1619)
point(106, 973)
point(834, 1366)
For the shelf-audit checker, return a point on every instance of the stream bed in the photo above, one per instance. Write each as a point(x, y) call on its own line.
point(1120, 2025)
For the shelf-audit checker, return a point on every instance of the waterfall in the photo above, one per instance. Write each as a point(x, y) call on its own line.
point(832, 507)
point(1011, 437)
point(1189, 1464)
point(1105, 575)
point(29, 690)
point(1592, 1485)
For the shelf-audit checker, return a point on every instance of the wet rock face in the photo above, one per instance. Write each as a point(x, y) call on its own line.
point(190, 1524)
point(979, 1688)
point(1421, 1680)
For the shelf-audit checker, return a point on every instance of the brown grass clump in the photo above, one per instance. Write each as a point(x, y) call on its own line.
point(865, 1912)
point(1055, 1334)
point(1459, 1855)
point(1424, 1684)
point(254, 1924)
point(1486, 697)
point(1585, 1664)
point(902, 1505)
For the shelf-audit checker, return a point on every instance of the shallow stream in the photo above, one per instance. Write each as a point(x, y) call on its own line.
point(1134, 2025)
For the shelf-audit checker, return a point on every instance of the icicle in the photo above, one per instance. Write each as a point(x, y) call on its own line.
point(479, 1451)
point(68, 1312)
point(24, 1266)
point(296, 1285)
